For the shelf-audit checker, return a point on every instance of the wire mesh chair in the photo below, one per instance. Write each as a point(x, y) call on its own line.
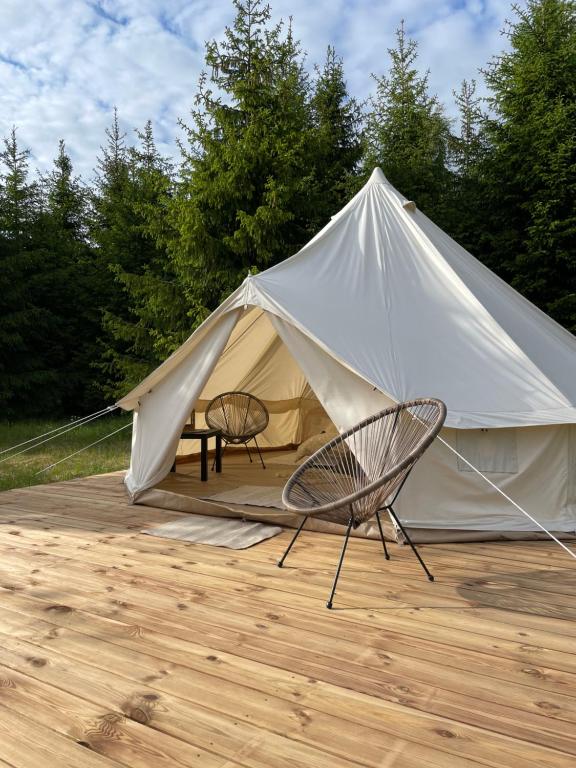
point(240, 417)
point(361, 472)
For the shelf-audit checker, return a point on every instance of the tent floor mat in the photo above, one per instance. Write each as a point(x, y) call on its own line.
point(218, 532)
point(252, 495)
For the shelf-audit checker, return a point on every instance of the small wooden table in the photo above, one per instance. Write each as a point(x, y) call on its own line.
point(203, 435)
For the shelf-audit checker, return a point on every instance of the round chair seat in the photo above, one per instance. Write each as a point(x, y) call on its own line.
point(358, 470)
point(239, 416)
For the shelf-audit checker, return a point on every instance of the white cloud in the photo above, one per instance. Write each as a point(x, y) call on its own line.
point(65, 63)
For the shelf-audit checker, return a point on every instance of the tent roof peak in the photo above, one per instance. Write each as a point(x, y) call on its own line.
point(377, 177)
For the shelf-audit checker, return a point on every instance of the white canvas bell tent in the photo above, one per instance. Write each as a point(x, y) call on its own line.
point(382, 306)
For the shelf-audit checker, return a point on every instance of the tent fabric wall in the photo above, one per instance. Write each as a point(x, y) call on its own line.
point(440, 495)
point(382, 306)
point(551, 347)
point(159, 418)
point(346, 397)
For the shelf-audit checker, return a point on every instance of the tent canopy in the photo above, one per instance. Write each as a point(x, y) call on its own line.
point(390, 296)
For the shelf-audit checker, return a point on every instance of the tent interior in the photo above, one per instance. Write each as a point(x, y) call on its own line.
point(310, 400)
point(257, 361)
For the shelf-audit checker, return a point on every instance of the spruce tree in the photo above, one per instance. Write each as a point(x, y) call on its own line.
point(111, 223)
point(532, 171)
point(337, 137)
point(68, 283)
point(247, 181)
point(407, 132)
point(124, 248)
point(467, 196)
point(28, 380)
point(149, 325)
point(469, 145)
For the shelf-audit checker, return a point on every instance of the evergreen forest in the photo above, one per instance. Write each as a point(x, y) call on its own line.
point(102, 278)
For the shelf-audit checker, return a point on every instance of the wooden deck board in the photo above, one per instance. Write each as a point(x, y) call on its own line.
point(118, 649)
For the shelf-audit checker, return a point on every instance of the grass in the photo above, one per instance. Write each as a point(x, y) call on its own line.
point(110, 455)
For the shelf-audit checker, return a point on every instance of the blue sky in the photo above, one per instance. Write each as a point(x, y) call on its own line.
point(64, 64)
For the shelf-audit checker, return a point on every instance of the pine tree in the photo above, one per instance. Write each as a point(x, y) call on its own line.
point(407, 132)
point(67, 197)
point(247, 179)
point(532, 171)
point(337, 127)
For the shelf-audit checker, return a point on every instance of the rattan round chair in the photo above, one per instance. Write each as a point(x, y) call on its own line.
point(240, 417)
point(361, 472)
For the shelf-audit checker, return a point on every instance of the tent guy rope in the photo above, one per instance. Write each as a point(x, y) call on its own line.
point(110, 434)
point(59, 430)
point(74, 423)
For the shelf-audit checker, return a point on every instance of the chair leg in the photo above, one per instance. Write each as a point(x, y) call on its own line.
point(330, 599)
point(281, 561)
point(249, 454)
point(259, 453)
point(409, 540)
point(386, 555)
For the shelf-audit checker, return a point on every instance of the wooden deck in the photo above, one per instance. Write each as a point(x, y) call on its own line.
point(118, 649)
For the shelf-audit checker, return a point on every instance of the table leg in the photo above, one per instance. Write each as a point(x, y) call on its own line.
point(218, 453)
point(204, 459)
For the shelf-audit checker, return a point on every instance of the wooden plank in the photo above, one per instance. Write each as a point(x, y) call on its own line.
point(520, 634)
point(497, 718)
point(317, 583)
point(102, 730)
point(462, 743)
point(555, 589)
point(493, 666)
point(235, 741)
point(316, 727)
point(177, 649)
point(538, 554)
point(203, 592)
point(424, 664)
point(25, 744)
point(392, 630)
point(530, 656)
point(477, 669)
point(355, 591)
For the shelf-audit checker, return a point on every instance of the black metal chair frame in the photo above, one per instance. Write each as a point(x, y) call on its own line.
point(406, 466)
point(237, 439)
